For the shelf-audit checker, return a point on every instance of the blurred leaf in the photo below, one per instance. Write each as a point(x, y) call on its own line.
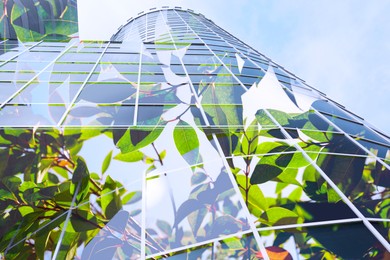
point(225, 225)
point(196, 218)
point(198, 177)
point(186, 208)
point(132, 197)
point(229, 208)
point(164, 227)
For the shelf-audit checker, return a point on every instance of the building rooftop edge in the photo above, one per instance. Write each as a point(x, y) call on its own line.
point(152, 10)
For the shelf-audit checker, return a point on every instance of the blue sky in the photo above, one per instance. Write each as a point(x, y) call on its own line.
point(342, 48)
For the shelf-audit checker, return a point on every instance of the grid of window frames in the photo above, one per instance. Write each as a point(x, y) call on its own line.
point(176, 139)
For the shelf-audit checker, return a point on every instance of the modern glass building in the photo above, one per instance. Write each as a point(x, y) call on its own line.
point(177, 140)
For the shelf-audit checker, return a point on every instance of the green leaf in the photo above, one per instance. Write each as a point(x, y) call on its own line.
point(6, 195)
point(284, 159)
point(40, 243)
point(134, 139)
point(106, 162)
point(263, 118)
point(132, 197)
point(163, 154)
point(24, 210)
point(149, 160)
point(299, 161)
point(110, 200)
point(256, 200)
point(279, 216)
point(345, 171)
point(186, 139)
point(82, 221)
point(264, 173)
point(68, 245)
point(288, 176)
point(296, 194)
point(81, 177)
point(81, 171)
point(333, 197)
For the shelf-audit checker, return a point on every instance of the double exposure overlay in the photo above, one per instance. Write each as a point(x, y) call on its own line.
point(176, 140)
point(36, 20)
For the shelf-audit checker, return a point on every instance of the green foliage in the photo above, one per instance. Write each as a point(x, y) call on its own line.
point(39, 180)
point(41, 169)
point(134, 139)
point(187, 142)
point(39, 20)
point(130, 157)
point(264, 173)
point(106, 162)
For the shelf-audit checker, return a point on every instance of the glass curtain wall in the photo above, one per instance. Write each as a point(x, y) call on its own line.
point(177, 140)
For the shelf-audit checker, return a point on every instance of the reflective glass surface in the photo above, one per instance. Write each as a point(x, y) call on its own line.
point(177, 140)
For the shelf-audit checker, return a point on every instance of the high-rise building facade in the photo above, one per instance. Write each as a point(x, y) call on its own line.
point(177, 140)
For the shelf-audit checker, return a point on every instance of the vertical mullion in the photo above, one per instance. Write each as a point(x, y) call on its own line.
point(61, 121)
point(146, 27)
point(375, 232)
point(138, 84)
point(144, 177)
